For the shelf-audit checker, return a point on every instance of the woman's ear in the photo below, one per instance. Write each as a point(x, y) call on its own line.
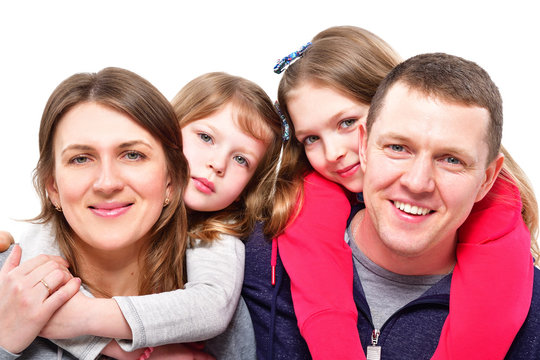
point(52, 193)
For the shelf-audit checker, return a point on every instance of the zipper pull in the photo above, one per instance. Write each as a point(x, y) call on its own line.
point(373, 350)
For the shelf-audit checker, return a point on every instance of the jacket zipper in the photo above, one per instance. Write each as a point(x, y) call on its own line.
point(374, 350)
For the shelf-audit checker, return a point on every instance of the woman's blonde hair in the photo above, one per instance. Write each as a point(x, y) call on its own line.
point(163, 260)
point(256, 116)
point(353, 61)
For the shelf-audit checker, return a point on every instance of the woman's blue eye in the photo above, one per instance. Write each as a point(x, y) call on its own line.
point(241, 160)
point(310, 139)
point(397, 148)
point(79, 160)
point(133, 155)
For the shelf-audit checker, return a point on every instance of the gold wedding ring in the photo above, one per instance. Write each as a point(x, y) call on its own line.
point(45, 284)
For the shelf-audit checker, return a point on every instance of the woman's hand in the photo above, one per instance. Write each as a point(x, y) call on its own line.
point(5, 240)
point(29, 294)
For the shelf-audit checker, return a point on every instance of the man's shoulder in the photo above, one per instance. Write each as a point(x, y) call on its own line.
point(526, 345)
point(536, 288)
point(534, 311)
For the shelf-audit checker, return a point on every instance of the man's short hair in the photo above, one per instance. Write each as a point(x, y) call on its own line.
point(449, 78)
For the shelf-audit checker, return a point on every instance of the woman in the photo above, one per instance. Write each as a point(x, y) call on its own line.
point(110, 176)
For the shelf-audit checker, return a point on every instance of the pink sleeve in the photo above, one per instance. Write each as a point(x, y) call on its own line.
point(319, 263)
point(492, 282)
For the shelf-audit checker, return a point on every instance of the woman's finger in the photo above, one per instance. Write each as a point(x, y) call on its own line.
point(55, 273)
point(52, 281)
point(62, 295)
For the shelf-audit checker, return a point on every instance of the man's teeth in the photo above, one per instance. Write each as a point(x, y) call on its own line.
point(411, 209)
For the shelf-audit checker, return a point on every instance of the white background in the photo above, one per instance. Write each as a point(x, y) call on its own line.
point(171, 42)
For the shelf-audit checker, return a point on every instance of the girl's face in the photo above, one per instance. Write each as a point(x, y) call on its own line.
point(110, 177)
point(326, 123)
point(222, 159)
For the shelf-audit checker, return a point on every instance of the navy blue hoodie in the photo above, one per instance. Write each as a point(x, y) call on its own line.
point(412, 333)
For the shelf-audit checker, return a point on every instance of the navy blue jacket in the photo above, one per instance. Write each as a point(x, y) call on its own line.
point(271, 307)
point(411, 333)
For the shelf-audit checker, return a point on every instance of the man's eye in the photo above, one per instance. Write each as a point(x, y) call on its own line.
point(452, 160)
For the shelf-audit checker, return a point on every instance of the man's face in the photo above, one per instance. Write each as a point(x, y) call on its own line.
point(425, 167)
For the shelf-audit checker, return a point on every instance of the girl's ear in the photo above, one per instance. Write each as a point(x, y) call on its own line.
point(362, 146)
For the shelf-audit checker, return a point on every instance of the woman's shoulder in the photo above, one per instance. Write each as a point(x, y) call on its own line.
point(36, 239)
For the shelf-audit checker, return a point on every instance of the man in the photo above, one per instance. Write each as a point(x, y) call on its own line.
point(430, 151)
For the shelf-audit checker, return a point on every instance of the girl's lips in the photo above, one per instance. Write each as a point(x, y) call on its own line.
point(203, 185)
point(349, 170)
point(110, 210)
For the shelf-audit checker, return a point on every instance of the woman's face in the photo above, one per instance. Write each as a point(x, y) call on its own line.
point(110, 177)
point(326, 122)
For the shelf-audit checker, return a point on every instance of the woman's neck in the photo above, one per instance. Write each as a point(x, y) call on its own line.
point(110, 273)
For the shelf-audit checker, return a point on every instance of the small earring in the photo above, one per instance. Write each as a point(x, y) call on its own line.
point(166, 202)
point(57, 207)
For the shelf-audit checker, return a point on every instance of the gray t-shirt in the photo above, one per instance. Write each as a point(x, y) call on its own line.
point(386, 292)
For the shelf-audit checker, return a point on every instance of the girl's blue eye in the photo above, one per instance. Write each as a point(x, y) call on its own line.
point(347, 123)
point(241, 160)
point(205, 137)
point(310, 139)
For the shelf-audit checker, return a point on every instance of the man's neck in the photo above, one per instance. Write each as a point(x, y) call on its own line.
point(438, 260)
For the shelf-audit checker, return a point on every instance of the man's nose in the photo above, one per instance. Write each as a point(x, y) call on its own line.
point(419, 176)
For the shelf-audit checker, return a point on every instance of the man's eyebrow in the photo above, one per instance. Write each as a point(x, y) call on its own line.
point(451, 149)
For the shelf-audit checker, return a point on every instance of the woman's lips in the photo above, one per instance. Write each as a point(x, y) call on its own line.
point(111, 209)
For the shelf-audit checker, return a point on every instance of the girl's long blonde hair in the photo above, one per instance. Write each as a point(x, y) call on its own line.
point(349, 59)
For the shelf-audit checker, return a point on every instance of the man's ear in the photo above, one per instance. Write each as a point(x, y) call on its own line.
point(492, 171)
point(362, 146)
